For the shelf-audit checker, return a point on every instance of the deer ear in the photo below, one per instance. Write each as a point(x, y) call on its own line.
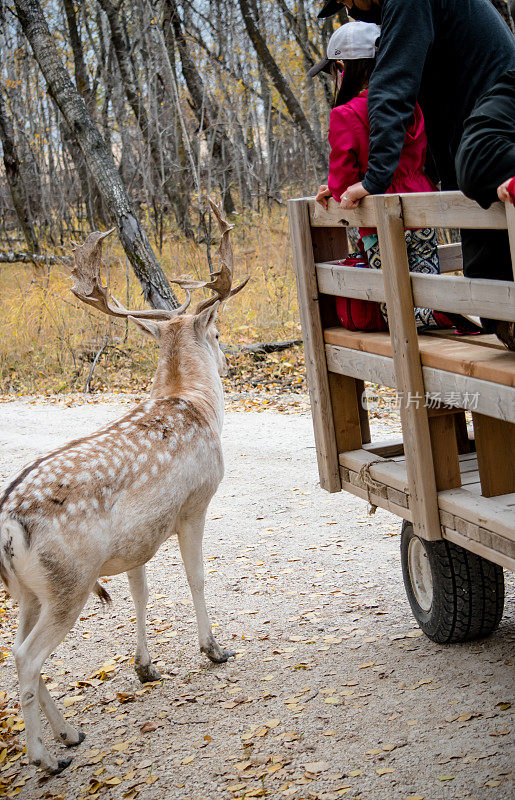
point(148, 326)
point(203, 320)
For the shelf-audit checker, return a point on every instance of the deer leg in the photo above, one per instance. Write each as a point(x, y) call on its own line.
point(190, 533)
point(49, 630)
point(145, 670)
point(63, 732)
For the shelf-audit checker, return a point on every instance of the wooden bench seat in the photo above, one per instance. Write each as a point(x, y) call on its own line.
point(462, 358)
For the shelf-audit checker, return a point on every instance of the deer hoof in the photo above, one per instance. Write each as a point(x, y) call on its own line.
point(216, 654)
point(147, 673)
point(61, 765)
point(72, 737)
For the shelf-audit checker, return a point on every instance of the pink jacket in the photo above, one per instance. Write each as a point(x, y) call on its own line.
point(348, 160)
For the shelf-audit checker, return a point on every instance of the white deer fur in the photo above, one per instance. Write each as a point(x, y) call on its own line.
point(104, 504)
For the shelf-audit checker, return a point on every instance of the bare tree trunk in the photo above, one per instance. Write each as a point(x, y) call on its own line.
point(205, 108)
point(92, 197)
point(156, 289)
point(14, 177)
point(282, 86)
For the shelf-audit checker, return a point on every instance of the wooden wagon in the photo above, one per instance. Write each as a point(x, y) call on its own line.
point(453, 486)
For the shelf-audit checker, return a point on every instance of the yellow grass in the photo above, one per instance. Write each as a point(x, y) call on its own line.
point(48, 340)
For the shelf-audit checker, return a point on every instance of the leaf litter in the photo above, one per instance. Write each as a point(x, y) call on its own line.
point(320, 703)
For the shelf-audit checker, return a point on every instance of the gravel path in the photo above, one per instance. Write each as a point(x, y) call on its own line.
point(333, 691)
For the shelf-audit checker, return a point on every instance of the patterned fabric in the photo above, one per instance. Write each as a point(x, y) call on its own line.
point(422, 249)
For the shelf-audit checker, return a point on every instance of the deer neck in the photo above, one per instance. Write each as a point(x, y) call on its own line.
point(193, 376)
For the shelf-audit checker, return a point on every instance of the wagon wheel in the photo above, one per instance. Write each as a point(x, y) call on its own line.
point(455, 595)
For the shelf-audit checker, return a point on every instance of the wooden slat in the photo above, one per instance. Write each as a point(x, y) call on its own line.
point(380, 502)
point(484, 339)
point(316, 367)
point(460, 391)
point(444, 447)
point(370, 367)
point(390, 473)
point(458, 295)
point(449, 210)
point(451, 257)
point(506, 561)
point(478, 296)
point(472, 394)
point(420, 210)
point(347, 423)
point(390, 448)
point(495, 445)
point(454, 355)
point(493, 514)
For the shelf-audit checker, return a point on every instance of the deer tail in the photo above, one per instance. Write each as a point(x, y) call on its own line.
point(104, 595)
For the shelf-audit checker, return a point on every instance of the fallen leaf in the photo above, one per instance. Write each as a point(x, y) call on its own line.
point(149, 726)
point(315, 767)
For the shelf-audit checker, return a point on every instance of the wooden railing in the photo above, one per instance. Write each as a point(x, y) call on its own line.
point(318, 238)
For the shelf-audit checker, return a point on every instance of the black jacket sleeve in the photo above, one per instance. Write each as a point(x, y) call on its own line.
point(407, 34)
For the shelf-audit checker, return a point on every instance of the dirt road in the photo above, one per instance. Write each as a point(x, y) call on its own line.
point(333, 691)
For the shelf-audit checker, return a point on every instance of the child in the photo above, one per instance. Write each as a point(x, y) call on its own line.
point(352, 50)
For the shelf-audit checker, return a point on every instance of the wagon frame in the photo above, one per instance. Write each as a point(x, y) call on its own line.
point(454, 488)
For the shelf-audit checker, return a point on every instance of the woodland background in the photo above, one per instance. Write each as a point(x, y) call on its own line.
point(130, 113)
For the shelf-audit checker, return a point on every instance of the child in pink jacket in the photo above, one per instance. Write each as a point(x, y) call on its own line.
point(352, 49)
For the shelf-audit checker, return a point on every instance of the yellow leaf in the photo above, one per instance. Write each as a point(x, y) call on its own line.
point(120, 746)
point(112, 781)
point(446, 777)
point(355, 773)
point(69, 701)
point(272, 723)
point(188, 760)
point(385, 770)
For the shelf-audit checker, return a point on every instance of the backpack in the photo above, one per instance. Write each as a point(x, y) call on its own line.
point(359, 315)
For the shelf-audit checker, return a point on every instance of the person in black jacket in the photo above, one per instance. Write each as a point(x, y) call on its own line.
point(446, 54)
point(485, 167)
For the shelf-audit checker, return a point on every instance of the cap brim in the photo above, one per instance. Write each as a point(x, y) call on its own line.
point(322, 66)
point(330, 8)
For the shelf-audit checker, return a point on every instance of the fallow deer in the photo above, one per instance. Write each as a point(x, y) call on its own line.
point(103, 504)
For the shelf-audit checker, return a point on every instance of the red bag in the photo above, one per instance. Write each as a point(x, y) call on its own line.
point(359, 315)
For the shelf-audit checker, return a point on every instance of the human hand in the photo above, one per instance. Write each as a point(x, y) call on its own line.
point(503, 193)
point(352, 195)
point(323, 195)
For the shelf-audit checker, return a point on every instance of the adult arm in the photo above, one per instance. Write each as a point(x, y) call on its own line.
point(407, 34)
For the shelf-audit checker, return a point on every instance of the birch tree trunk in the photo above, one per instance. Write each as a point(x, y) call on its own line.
point(156, 289)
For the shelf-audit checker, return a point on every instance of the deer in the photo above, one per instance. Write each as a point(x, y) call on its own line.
point(103, 504)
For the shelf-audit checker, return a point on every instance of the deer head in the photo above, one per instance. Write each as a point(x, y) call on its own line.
point(166, 326)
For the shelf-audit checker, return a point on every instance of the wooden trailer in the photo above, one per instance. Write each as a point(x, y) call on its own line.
point(453, 487)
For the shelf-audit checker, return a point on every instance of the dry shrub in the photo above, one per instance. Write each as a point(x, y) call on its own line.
point(49, 340)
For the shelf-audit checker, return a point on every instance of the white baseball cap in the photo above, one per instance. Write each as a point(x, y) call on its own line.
point(351, 41)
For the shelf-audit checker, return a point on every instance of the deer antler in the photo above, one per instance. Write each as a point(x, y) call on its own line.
point(88, 287)
point(221, 281)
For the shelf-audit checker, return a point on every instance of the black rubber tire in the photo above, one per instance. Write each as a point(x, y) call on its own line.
point(468, 591)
